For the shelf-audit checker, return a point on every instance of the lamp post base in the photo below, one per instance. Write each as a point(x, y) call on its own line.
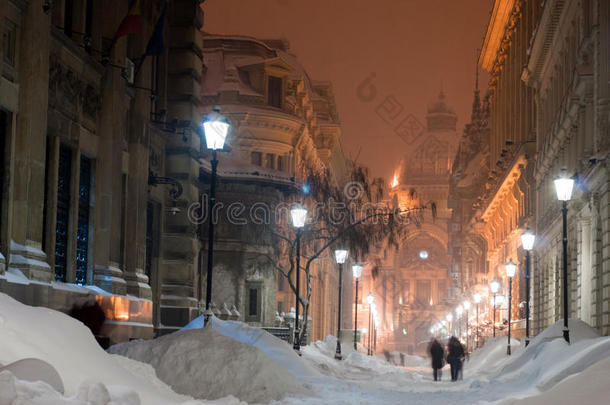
point(566, 335)
point(338, 355)
point(527, 341)
point(207, 316)
point(508, 350)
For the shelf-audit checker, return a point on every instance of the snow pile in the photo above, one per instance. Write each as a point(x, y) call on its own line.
point(492, 355)
point(588, 387)
point(278, 350)
point(89, 374)
point(354, 365)
point(549, 361)
point(206, 364)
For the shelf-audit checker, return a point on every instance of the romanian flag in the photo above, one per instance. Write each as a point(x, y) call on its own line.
point(132, 23)
point(155, 44)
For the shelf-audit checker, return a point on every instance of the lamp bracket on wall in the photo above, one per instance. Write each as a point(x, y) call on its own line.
point(175, 191)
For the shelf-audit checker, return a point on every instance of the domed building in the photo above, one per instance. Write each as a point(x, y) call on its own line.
point(414, 284)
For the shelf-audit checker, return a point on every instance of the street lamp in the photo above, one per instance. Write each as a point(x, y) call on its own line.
point(459, 310)
point(563, 187)
point(370, 299)
point(477, 300)
point(340, 257)
point(298, 214)
point(449, 318)
point(511, 269)
point(494, 286)
point(466, 306)
point(215, 129)
point(357, 272)
point(527, 241)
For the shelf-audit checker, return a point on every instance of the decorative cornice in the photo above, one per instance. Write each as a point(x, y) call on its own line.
point(496, 30)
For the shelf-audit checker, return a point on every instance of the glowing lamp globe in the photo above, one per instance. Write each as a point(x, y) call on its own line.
point(466, 305)
point(564, 186)
point(357, 270)
point(340, 256)
point(215, 129)
point(449, 317)
point(370, 299)
point(511, 268)
point(298, 214)
point(494, 286)
point(459, 310)
point(527, 239)
point(476, 298)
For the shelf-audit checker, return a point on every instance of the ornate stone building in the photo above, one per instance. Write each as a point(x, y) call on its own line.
point(548, 110)
point(567, 67)
point(469, 181)
point(414, 285)
point(283, 125)
point(77, 132)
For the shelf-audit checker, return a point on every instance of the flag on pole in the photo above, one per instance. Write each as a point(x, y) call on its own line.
point(155, 43)
point(132, 23)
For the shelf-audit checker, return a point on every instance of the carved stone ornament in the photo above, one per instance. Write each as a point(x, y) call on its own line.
point(64, 80)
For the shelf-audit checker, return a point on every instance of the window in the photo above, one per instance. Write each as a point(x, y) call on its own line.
point(274, 91)
point(442, 291)
point(270, 161)
point(82, 236)
point(68, 8)
point(282, 163)
point(252, 302)
point(423, 291)
point(64, 173)
point(257, 158)
point(9, 40)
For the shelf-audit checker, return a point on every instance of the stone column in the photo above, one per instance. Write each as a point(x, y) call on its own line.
point(180, 243)
point(29, 154)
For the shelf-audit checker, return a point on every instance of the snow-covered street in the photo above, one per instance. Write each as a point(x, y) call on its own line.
point(232, 362)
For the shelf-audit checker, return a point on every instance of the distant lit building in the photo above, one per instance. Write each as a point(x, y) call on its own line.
point(414, 285)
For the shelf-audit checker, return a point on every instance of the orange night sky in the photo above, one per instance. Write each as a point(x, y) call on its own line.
point(407, 47)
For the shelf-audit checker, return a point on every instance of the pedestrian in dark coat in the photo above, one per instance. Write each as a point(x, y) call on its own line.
point(455, 356)
point(437, 354)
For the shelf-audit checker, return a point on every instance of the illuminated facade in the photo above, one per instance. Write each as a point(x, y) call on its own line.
point(414, 284)
point(568, 69)
point(549, 79)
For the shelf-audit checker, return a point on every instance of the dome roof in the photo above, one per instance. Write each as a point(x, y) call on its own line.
point(440, 106)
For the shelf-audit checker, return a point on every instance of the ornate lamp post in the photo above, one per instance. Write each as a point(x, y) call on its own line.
point(298, 214)
point(370, 299)
point(477, 300)
point(449, 318)
point(494, 286)
point(458, 311)
point(466, 306)
point(527, 241)
point(563, 187)
point(340, 257)
point(357, 272)
point(511, 269)
point(215, 129)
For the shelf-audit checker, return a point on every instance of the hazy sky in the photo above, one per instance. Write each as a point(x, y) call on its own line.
point(406, 47)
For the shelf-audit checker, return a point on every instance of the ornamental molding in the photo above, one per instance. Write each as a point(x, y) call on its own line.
point(73, 87)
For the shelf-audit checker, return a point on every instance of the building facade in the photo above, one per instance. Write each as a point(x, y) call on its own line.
point(284, 125)
point(568, 69)
point(414, 284)
point(547, 110)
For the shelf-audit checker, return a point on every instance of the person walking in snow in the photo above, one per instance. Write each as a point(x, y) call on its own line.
point(437, 354)
point(455, 356)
